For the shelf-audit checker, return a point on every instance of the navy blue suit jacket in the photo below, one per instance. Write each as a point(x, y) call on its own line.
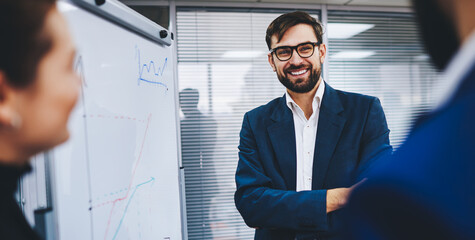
point(427, 189)
point(352, 131)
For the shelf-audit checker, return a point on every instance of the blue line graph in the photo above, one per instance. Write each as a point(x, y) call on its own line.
point(154, 71)
point(152, 179)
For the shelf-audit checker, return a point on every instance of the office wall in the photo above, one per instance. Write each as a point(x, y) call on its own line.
point(222, 54)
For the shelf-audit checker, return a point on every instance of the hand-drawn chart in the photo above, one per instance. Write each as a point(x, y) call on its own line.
point(150, 72)
point(125, 204)
point(118, 202)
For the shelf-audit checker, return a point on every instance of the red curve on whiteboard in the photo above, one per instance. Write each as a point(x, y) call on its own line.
point(131, 179)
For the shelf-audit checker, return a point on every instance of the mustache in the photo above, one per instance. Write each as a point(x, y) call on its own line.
point(296, 67)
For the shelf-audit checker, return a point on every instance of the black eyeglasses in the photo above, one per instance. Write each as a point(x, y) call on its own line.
point(304, 50)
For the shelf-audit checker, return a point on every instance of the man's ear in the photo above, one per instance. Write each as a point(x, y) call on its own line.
point(271, 61)
point(322, 50)
point(9, 118)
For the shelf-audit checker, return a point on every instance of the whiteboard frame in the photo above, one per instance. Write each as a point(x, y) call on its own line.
point(184, 219)
point(118, 13)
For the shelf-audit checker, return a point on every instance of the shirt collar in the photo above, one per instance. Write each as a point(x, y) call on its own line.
point(317, 98)
point(454, 73)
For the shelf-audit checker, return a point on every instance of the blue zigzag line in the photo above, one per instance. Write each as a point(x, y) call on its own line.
point(156, 72)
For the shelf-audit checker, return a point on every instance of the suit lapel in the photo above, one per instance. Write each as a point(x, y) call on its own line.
point(330, 126)
point(282, 137)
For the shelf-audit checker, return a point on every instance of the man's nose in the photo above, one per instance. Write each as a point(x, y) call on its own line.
point(295, 59)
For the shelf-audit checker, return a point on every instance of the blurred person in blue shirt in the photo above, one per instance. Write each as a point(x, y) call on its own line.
point(425, 190)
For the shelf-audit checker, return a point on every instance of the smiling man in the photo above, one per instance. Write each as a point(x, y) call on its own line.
point(300, 155)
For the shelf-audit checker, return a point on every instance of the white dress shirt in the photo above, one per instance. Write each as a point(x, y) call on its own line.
point(305, 137)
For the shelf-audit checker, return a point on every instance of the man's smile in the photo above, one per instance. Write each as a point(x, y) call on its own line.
point(298, 73)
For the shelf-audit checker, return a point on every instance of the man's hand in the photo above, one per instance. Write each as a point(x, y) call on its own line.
point(337, 197)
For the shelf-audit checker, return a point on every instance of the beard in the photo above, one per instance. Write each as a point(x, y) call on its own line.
point(301, 85)
point(438, 32)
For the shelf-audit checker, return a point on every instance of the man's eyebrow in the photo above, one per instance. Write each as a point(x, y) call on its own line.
point(293, 45)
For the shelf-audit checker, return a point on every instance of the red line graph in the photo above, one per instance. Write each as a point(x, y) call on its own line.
point(131, 180)
point(117, 117)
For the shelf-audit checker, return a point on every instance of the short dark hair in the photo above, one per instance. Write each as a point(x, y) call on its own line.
point(281, 24)
point(24, 39)
point(189, 97)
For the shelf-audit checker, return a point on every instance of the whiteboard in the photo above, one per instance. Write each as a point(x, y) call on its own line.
point(118, 177)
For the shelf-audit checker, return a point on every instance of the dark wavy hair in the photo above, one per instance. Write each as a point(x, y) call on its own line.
point(24, 40)
point(281, 24)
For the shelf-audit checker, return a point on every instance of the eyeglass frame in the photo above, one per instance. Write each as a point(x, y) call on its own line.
point(292, 48)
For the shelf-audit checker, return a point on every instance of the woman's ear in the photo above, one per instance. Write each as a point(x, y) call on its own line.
point(9, 118)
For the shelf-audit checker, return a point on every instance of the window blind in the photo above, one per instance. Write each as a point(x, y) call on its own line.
point(381, 55)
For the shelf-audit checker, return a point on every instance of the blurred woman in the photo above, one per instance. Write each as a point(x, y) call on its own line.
point(38, 90)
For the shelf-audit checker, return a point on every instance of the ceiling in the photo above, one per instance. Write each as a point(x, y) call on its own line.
point(393, 3)
point(374, 3)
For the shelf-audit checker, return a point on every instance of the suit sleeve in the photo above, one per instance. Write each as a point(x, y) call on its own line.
point(375, 143)
point(262, 206)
